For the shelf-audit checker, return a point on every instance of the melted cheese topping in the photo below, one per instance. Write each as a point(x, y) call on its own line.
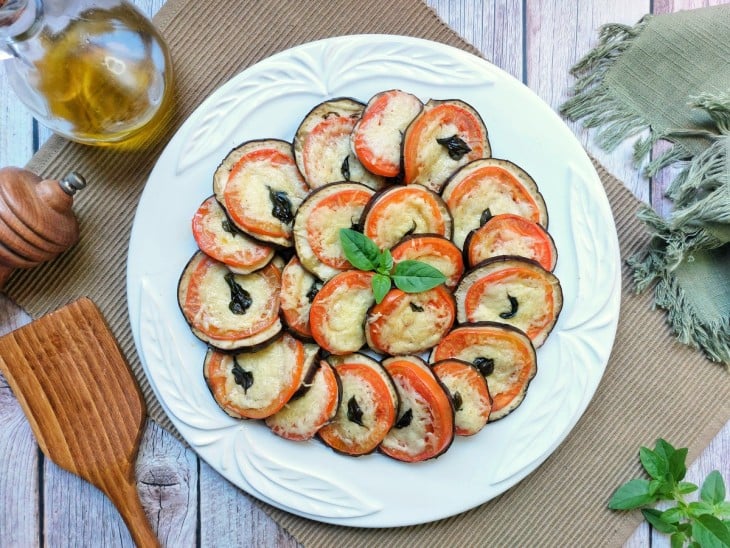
point(417, 437)
point(489, 194)
point(474, 411)
point(302, 417)
point(433, 160)
point(383, 132)
point(397, 218)
point(295, 284)
point(351, 432)
point(216, 296)
point(345, 318)
point(407, 331)
point(532, 311)
point(273, 370)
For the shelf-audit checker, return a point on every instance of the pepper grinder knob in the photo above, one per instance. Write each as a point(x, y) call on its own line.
point(37, 222)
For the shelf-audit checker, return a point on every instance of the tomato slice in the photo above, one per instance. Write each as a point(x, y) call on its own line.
point(409, 323)
point(437, 251)
point(502, 353)
point(509, 234)
point(513, 290)
point(425, 426)
point(377, 138)
point(337, 315)
point(209, 292)
point(338, 210)
point(404, 210)
point(254, 385)
point(445, 136)
point(366, 412)
point(217, 237)
point(469, 392)
point(263, 191)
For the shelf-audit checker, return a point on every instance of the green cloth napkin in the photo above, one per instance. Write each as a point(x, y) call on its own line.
point(671, 74)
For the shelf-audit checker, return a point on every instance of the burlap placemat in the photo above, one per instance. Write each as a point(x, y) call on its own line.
point(652, 387)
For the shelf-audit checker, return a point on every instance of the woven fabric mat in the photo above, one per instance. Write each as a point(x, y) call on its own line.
point(652, 387)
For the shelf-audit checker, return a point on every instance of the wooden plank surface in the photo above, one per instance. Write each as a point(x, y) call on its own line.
point(190, 504)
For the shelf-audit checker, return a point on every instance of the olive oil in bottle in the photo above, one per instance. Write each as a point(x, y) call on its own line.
point(97, 73)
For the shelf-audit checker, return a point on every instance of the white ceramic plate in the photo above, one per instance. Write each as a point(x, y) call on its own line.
point(308, 479)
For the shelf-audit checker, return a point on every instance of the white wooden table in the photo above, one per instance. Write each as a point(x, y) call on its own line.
point(188, 503)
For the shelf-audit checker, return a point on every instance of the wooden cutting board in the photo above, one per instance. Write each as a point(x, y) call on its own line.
point(82, 401)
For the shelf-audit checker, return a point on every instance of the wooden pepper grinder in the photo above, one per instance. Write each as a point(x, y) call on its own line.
point(36, 220)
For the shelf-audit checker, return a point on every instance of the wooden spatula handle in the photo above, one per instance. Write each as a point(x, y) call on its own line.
point(124, 496)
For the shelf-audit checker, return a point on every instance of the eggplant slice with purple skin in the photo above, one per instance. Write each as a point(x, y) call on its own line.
point(318, 222)
point(469, 392)
point(255, 385)
point(425, 425)
point(368, 408)
point(401, 211)
point(503, 354)
point(311, 407)
point(487, 187)
point(511, 290)
point(230, 311)
point(260, 187)
point(446, 135)
point(377, 138)
point(322, 145)
point(298, 289)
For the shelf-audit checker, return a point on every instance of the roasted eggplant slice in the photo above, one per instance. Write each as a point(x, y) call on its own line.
point(511, 290)
point(318, 223)
point(298, 288)
point(488, 187)
point(502, 353)
point(219, 238)
point(322, 145)
point(469, 393)
point(368, 407)
point(425, 425)
point(409, 323)
point(400, 211)
point(377, 138)
point(260, 187)
point(442, 138)
point(509, 234)
point(311, 407)
point(435, 250)
point(230, 311)
point(254, 385)
point(337, 315)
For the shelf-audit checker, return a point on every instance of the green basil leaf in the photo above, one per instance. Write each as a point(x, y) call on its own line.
point(632, 494)
point(655, 464)
point(385, 264)
point(664, 448)
point(673, 515)
point(710, 532)
point(654, 517)
point(699, 508)
point(360, 250)
point(416, 276)
point(685, 488)
point(713, 488)
point(722, 509)
point(677, 464)
point(381, 286)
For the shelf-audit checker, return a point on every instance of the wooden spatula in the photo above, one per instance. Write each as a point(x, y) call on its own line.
point(82, 402)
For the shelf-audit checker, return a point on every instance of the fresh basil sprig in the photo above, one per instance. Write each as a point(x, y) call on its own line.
point(409, 276)
point(704, 523)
